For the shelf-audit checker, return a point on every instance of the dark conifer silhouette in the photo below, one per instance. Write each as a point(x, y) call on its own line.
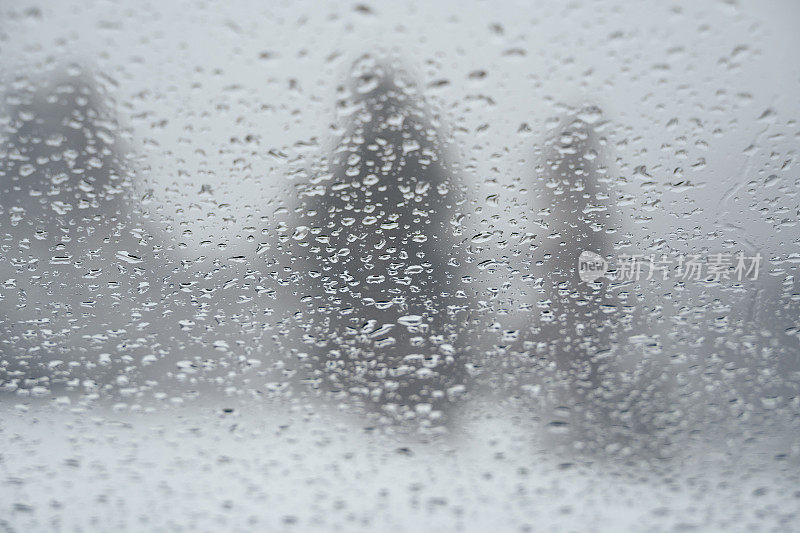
point(378, 257)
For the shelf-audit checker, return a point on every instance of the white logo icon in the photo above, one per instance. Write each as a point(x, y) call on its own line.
point(591, 266)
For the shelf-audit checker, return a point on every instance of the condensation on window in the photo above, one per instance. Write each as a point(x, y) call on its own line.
point(399, 266)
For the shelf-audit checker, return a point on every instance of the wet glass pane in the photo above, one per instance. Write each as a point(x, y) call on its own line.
point(434, 266)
